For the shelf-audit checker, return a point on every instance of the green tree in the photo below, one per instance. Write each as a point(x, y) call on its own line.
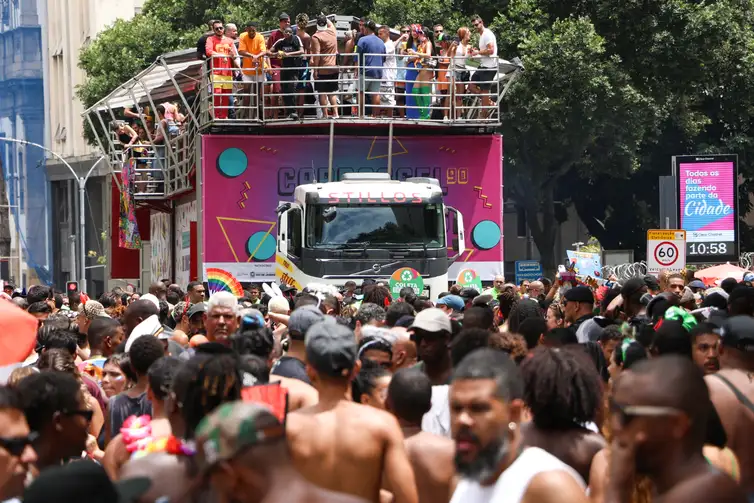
point(124, 49)
point(695, 61)
point(573, 110)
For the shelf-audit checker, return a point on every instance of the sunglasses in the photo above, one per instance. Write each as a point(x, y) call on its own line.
point(438, 31)
point(627, 413)
point(405, 31)
point(16, 445)
point(219, 28)
point(86, 414)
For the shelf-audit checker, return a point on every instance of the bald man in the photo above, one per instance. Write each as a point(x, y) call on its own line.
point(159, 290)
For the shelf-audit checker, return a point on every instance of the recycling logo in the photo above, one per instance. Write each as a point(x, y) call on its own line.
point(405, 277)
point(468, 278)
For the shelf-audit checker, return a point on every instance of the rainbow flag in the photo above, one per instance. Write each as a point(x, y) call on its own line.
point(128, 235)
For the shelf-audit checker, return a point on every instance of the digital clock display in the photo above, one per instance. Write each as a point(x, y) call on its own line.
point(708, 206)
point(711, 248)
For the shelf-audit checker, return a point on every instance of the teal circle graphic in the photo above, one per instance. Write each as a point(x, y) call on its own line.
point(266, 244)
point(486, 235)
point(232, 162)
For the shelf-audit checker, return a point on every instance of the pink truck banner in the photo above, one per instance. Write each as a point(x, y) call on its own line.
point(245, 177)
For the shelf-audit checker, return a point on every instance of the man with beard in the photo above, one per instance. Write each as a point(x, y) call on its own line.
point(659, 420)
point(485, 413)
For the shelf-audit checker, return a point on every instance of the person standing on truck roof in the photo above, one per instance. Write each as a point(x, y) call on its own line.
point(252, 47)
point(221, 50)
point(274, 100)
point(324, 65)
point(371, 60)
point(289, 49)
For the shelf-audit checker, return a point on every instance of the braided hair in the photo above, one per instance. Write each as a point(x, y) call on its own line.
point(561, 387)
point(203, 383)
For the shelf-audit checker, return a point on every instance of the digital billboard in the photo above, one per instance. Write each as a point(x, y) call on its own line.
point(708, 206)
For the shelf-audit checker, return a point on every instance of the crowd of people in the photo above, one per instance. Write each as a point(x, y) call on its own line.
point(373, 70)
point(547, 391)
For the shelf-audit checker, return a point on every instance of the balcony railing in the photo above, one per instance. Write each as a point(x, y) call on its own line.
point(421, 90)
point(244, 92)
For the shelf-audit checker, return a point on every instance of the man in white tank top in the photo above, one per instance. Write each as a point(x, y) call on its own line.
point(485, 411)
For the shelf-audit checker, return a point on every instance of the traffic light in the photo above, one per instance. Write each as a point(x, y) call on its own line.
point(72, 287)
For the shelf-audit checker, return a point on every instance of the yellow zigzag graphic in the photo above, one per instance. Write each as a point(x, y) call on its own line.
point(244, 195)
point(483, 197)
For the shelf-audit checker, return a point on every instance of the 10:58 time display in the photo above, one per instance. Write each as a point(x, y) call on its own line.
point(706, 248)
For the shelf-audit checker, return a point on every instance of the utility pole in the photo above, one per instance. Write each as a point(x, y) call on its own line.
point(81, 180)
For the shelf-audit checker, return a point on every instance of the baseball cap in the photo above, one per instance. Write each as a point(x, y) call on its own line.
point(748, 277)
point(232, 428)
point(331, 348)
point(284, 17)
point(632, 287)
point(483, 300)
point(432, 320)
point(302, 319)
point(452, 301)
point(199, 307)
point(580, 294)
point(651, 282)
point(321, 23)
point(469, 293)
point(738, 332)
point(697, 283)
point(92, 309)
point(84, 481)
point(285, 287)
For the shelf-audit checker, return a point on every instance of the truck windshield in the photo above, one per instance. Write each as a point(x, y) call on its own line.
point(379, 225)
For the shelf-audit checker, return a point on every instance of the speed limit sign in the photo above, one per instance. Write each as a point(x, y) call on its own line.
point(666, 249)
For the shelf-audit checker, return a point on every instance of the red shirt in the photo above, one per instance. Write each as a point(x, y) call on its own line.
point(274, 37)
point(223, 46)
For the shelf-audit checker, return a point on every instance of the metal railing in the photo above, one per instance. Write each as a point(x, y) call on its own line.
point(432, 89)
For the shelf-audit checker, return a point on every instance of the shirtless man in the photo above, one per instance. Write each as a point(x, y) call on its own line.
point(736, 408)
point(355, 447)
point(660, 410)
point(241, 450)
point(485, 413)
point(409, 397)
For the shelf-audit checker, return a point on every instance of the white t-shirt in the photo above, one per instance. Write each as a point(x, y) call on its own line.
point(390, 66)
point(488, 61)
point(512, 484)
point(437, 420)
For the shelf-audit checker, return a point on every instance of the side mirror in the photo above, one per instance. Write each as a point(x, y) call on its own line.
point(458, 240)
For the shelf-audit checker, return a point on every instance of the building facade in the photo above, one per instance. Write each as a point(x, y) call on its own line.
point(25, 252)
point(72, 25)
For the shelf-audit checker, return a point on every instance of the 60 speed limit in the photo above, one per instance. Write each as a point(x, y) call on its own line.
point(666, 253)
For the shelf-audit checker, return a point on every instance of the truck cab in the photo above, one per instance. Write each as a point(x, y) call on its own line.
point(367, 226)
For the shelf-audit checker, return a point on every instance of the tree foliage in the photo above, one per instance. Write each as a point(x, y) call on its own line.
point(123, 50)
point(599, 113)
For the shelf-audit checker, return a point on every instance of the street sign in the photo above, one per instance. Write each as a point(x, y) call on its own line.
point(529, 270)
point(666, 249)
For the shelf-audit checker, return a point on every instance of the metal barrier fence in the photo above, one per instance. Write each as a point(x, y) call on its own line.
point(412, 87)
